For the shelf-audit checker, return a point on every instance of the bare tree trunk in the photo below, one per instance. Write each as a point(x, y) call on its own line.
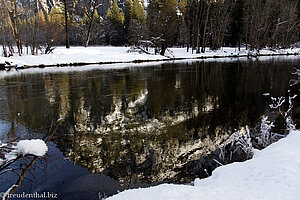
point(48, 37)
point(5, 54)
point(204, 29)
point(66, 24)
point(199, 12)
point(188, 25)
point(90, 24)
point(13, 23)
point(193, 31)
point(35, 28)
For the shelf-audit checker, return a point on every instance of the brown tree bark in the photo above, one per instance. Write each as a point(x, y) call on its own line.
point(66, 24)
point(11, 12)
point(204, 28)
point(91, 24)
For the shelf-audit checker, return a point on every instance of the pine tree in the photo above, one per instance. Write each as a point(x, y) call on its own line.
point(86, 18)
point(56, 25)
point(117, 15)
point(182, 6)
point(236, 26)
point(139, 12)
point(128, 13)
point(108, 14)
point(162, 20)
point(96, 17)
point(115, 25)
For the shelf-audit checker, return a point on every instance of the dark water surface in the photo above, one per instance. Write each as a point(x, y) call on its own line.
point(133, 127)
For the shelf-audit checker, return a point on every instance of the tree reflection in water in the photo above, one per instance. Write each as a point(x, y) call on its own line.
point(146, 123)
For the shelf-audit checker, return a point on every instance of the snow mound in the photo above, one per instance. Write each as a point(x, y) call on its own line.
point(35, 147)
point(273, 173)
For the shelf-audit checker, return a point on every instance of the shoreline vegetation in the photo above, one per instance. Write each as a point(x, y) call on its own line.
point(34, 27)
point(81, 56)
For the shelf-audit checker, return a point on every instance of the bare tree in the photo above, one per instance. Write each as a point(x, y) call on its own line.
point(13, 17)
point(94, 5)
point(66, 24)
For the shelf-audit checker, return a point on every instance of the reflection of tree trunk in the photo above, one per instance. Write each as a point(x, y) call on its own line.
point(13, 23)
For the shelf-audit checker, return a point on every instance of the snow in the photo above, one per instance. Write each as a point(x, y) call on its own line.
point(36, 147)
point(6, 193)
point(273, 173)
point(105, 54)
point(106, 58)
point(140, 100)
point(61, 55)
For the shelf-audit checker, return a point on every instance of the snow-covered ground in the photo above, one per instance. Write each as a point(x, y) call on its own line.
point(273, 173)
point(107, 54)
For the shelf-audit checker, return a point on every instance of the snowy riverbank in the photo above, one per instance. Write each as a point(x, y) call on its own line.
point(273, 173)
point(76, 56)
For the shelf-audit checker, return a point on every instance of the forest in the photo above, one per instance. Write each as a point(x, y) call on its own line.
point(37, 26)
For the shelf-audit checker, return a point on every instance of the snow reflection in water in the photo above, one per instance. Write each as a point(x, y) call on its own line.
point(138, 126)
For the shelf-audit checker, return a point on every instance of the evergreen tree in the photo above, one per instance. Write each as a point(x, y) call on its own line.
point(115, 22)
point(108, 14)
point(117, 15)
point(182, 5)
point(135, 21)
point(236, 26)
point(128, 13)
point(96, 17)
point(56, 25)
point(139, 12)
point(162, 20)
point(86, 17)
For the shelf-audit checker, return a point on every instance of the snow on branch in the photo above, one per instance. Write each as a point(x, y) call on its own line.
point(297, 80)
point(277, 102)
point(35, 147)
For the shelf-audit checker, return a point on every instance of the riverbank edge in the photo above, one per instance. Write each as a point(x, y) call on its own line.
point(7, 66)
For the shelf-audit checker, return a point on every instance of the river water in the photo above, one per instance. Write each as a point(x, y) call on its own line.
point(137, 126)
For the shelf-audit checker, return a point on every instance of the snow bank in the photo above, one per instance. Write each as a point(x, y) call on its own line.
point(273, 173)
point(107, 54)
point(61, 55)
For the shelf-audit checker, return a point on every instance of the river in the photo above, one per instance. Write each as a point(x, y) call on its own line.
point(136, 126)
